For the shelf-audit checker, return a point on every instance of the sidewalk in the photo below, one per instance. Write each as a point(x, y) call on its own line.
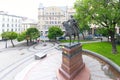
point(9, 44)
point(13, 58)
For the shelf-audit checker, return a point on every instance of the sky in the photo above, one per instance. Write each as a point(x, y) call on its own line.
point(29, 8)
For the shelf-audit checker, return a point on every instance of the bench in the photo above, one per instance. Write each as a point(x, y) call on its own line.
point(39, 56)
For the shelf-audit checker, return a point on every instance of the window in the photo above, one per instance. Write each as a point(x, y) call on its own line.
point(55, 22)
point(12, 25)
point(46, 32)
point(59, 22)
point(52, 22)
point(53, 13)
point(3, 25)
point(11, 29)
point(2, 30)
point(7, 25)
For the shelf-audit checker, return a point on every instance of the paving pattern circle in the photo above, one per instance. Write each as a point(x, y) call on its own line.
point(46, 68)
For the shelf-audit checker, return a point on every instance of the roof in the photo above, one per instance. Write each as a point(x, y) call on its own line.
point(6, 13)
point(29, 21)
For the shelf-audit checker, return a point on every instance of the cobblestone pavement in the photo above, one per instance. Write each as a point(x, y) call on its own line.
point(46, 68)
point(18, 63)
point(14, 59)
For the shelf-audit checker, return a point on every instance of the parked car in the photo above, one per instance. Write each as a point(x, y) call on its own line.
point(62, 38)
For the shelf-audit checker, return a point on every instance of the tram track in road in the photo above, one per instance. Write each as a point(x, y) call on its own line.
point(7, 70)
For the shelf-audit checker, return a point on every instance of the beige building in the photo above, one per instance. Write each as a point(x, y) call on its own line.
point(52, 16)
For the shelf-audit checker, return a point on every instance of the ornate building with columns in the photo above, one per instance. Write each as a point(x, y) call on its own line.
point(52, 16)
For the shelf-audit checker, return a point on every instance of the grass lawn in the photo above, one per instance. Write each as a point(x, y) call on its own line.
point(105, 49)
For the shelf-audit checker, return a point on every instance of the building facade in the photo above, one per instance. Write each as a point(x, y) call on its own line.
point(10, 22)
point(93, 29)
point(52, 16)
point(27, 23)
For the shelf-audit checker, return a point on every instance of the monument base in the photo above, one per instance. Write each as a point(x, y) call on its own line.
point(84, 74)
point(73, 67)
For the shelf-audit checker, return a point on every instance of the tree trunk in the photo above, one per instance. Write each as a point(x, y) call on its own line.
point(108, 38)
point(12, 43)
point(6, 44)
point(83, 36)
point(114, 49)
point(27, 43)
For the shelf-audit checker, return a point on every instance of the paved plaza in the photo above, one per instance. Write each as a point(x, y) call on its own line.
point(19, 63)
point(46, 69)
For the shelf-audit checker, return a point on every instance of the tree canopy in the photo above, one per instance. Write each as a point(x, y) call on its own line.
point(104, 13)
point(33, 33)
point(29, 35)
point(21, 36)
point(54, 32)
point(9, 36)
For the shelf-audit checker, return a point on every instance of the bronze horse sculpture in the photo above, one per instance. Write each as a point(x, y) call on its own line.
point(71, 29)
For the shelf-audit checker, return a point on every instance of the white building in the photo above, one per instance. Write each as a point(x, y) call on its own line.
point(52, 16)
point(28, 23)
point(10, 22)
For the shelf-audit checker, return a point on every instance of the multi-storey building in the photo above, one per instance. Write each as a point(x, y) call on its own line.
point(27, 23)
point(10, 22)
point(52, 16)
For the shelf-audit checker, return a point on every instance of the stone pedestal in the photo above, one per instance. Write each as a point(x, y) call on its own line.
point(72, 67)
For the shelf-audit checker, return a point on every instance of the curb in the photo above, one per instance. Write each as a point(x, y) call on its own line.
point(111, 63)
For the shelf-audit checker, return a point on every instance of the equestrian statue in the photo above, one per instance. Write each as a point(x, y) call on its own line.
point(71, 29)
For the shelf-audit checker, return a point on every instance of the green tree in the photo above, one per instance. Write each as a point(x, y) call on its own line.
point(82, 23)
point(54, 32)
point(32, 34)
point(105, 13)
point(21, 36)
point(9, 36)
point(5, 35)
point(103, 32)
point(29, 35)
point(12, 35)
